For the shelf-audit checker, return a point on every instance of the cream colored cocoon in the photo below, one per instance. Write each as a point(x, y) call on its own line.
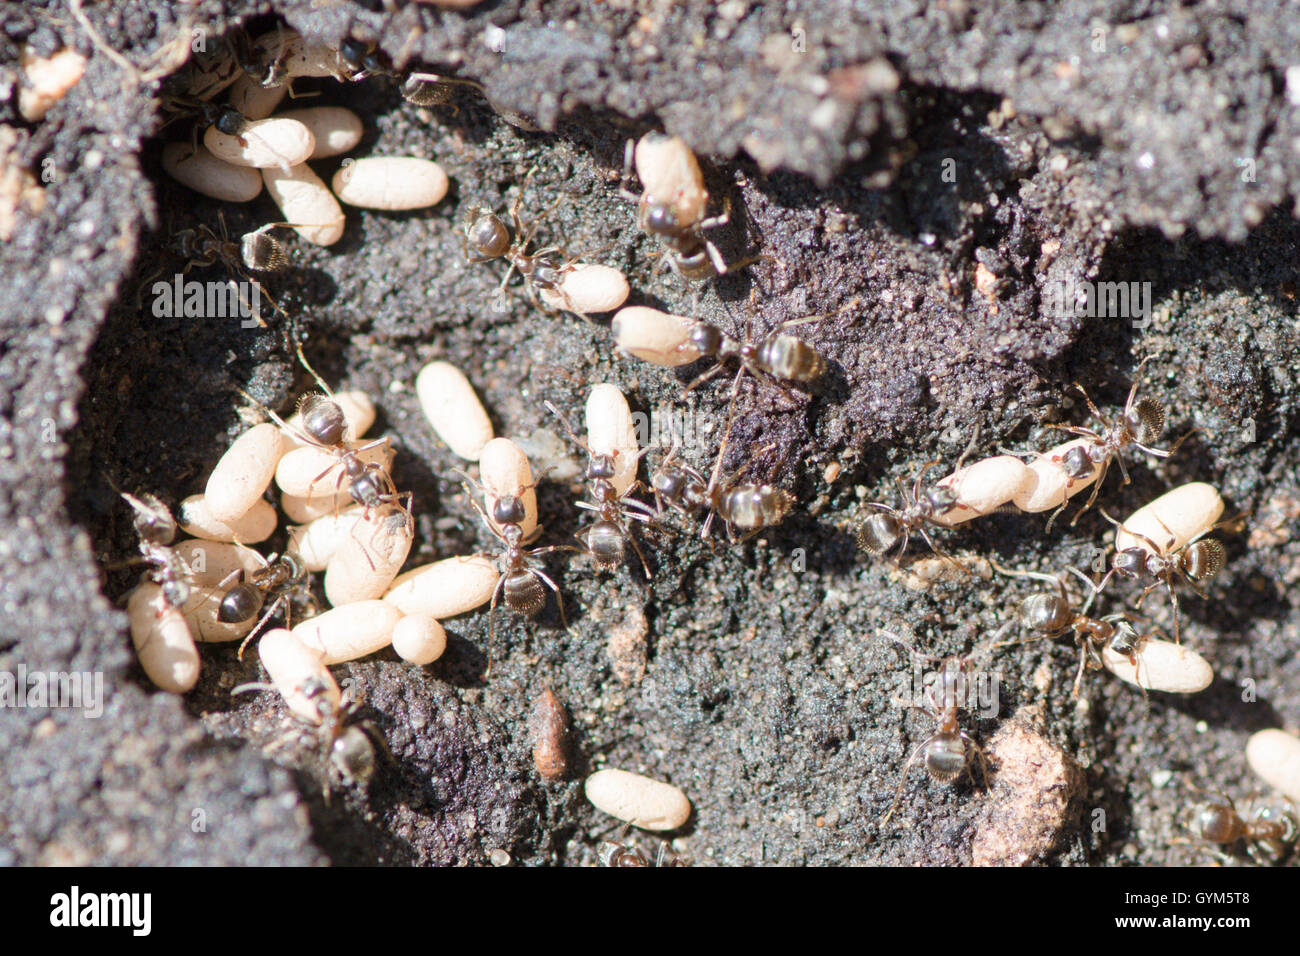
point(348, 632)
point(275, 141)
point(368, 557)
point(306, 203)
point(453, 408)
point(654, 336)
point(445, 588)
point(297, 671)
point(242, 475)
point(1173, 519)
point(254, 525)
point(505, 471)
point(642, 802)
point(390, 183)
point(1163, 666)
point(204, 173)
point(1274, 755)
point(612, 431)
point(1047, 485)
point(162, 640)
point(984, 487)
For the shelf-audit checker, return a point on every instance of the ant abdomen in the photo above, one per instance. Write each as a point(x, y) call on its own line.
point(945, 758)
point(606, 543)
point(1049, 613)
point(1219, 823)
point(879, 532)
point(1203, 560)
point(488, 236)
point(1146, 420)
point(241, 603)
point(789, 358)
point(524, 592)
point(323, 419)
point(751, 507)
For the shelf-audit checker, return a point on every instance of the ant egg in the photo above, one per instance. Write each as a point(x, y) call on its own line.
point(1274, 755)
point(208, 563)
point(293, 668)
point(348, 632)
point(445, 588)
point(335, 129)
point(453, 409)
point(654, 336)
point(252, 526)
point(306, 510)
point(358, 411)
point(983, 487)
point(1161, 665)
point(253, 100)
point(201, 611)
point(310, 472)
point(242, 475)
point(670, 175)
point(316, 542)
point(162, 640)
point(369, 557)
point(587, 288)
point(506, 473)
point(642, 802)
point(263, 143)
point(1047, 484)
point(1184, 513)
point(306, 203)
point(46, 80)
point(198, 169)
point(419, 639)
point(390, 182)
point(611, 431)
point(550, 731)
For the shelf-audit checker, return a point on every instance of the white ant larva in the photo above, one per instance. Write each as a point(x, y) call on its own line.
point(263, 144)
point(1274, 755)
point(419, 639)
point(453, 408)
point(162, 639)
point(640, 801)
point(204, 173)
point(254, 525)
point(585, 289)
point(242, 475)
point(348, 632)
point(390, 183)
point(306, 203)
point(445, 588)
point(369, 557)
point(1174, 519)
point(335, 129)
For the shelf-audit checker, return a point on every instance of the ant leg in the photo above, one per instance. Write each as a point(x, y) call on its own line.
point(703, 378)
point(979, 752)
point(645, 567)
point(559, 598)
point(307, 365)
point(492, 610)
point(898, 794)
point(1096, 487)
point(262, 623)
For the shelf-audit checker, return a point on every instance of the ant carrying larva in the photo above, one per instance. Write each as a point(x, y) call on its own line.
point(673, 204)
point(605, 539)
point(547, 271)
point(155, 528)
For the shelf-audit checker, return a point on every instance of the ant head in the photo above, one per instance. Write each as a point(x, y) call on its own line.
point(1077, 462)
point(354, 53)
point(176, 593)
point(488, 235)
point(660, 218)
point(153, 520)
point(941, 499)
point(600, 466)
point(322, 419)
point(1129, 563)
point(1146, 420)
point(945, 757)
point(230, 121)
point(509, 510)
point(706, 338)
